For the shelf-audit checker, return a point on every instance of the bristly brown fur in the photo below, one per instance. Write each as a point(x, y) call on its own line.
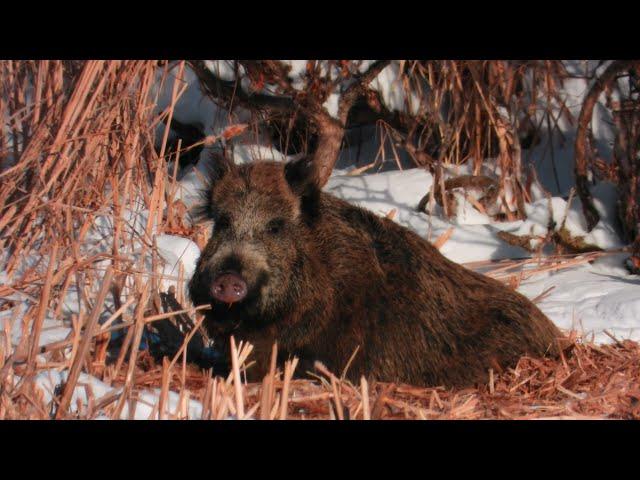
point(218, 166)
point(344, 278)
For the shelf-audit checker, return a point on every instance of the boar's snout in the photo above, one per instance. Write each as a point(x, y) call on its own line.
point(229, 288)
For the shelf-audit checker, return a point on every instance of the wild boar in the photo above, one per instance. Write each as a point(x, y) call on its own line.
point(288, 263)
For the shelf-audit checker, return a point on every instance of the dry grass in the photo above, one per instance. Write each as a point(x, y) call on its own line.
point(592, 382)
point(77, 146)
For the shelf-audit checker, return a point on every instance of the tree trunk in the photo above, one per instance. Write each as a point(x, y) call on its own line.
point(330, 134)
point(584, 121)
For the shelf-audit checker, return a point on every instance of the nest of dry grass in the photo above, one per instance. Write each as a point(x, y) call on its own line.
point(593, 382)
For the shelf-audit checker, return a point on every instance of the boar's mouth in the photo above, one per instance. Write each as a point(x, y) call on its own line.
point(231, 316)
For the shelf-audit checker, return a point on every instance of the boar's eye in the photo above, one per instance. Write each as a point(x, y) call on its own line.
point(275, 226)
point(222, 223)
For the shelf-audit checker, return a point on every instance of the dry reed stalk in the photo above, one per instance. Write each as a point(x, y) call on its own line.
point(137, 337)
point(392, 213)
point(528, 393)
point(237, 381)
point(190, 311)
point(42, 308)
point(289, 368)
point(366, 412)
point(266, 401)
point(182, 351)
point(83, 350)
point(76, 337)
point(550, 268)
point(104, 330)
point(492, 387)
point(443, 238)
point(164, 389)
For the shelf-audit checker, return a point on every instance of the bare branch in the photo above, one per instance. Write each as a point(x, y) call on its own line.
point(358, 88)
point(230, 91)
point(584, 120)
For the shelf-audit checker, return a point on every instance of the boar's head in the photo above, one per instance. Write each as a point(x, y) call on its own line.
point(263, 214)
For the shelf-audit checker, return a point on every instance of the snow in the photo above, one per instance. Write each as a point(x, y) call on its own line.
point(52, 330)
point(224, 69)
point(192, 107)
point(249, 153)
point(298, 68)
point(591, 299)
point(332, 104)
point(176, 252)
point(553, 158)
point(394, 95)
point(402, 190)
point(556, 209)
point(192, 184)
point(143, 407)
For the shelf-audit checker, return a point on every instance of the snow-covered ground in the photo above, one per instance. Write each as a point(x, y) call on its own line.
point(144, 408)
point(589, 298)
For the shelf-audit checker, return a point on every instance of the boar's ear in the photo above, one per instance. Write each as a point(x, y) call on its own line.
point(220, 165)
point(301, 175)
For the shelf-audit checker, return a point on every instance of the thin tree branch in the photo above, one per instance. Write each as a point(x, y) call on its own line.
point(358, 88)
point(225, 90)
point(584, 120)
